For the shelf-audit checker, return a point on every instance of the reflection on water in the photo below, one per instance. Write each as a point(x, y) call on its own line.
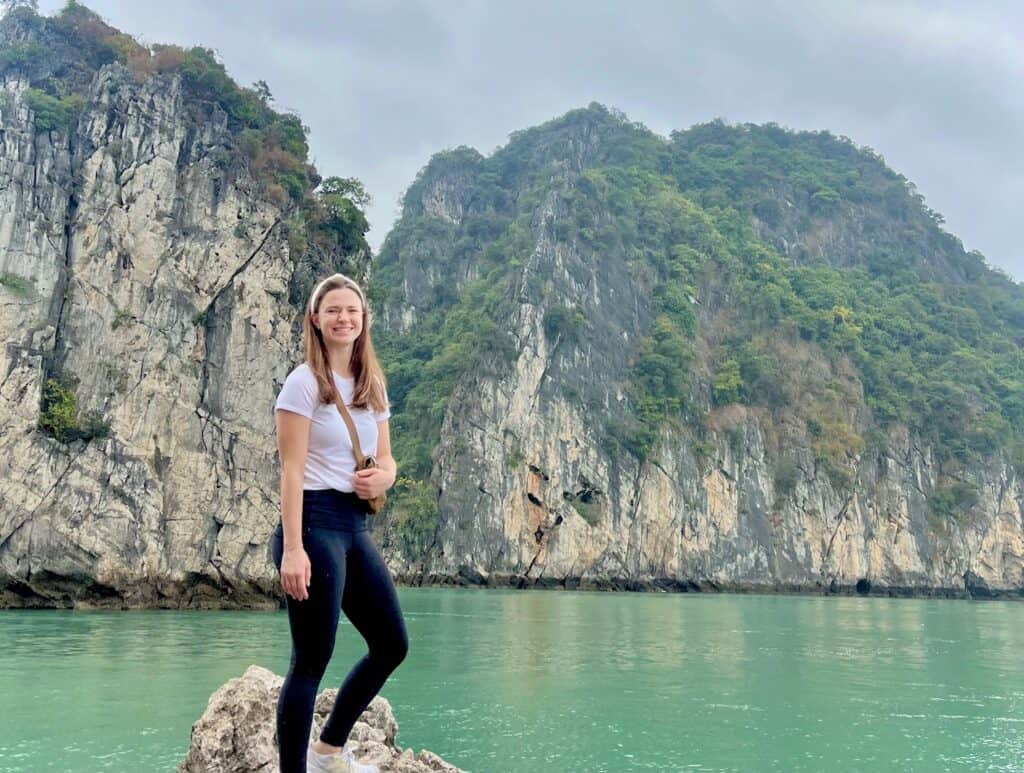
point(497, 681)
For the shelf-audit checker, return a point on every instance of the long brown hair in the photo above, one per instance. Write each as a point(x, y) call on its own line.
point(370, 386)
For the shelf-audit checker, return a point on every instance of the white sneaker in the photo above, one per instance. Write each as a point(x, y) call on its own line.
point(342, 762)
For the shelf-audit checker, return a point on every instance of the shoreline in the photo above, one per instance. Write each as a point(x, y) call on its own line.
point(64, 593)
point(969, 591)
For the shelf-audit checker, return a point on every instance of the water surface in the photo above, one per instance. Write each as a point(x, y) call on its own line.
point(544, 681)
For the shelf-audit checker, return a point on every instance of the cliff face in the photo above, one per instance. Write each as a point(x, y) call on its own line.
point(154, 282)
point(529, 496)
point(554, 323)
point(533, 488)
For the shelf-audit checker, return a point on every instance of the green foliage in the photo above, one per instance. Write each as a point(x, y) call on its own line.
point(272, 145)
point(17, 285)
point(904, 320)
point(424, 367)
point(514, 458)
point(636, 213)
point(21, 55)
point(121, 318)
point(660, 378)
point(834, 445)
point(348, 188)
point(562, 323)
point(207, 79)
point(58, 415)
point(825, 200)
point(787, 474)
point(614, 141)
point(588, 511)
point(1015, 455)
point(459, 330)
point(59, 410)
point(702, 450)
point(727, 383)
point(412, 506)
point(344, 220)
point(940, 358)
point(52, 113)
point(738, 166)
point(324, 226)
point(953, 500)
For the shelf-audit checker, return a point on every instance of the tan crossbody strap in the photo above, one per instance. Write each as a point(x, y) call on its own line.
point(346, 416)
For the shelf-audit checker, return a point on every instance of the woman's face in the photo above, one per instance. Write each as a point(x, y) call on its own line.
point(340, 318)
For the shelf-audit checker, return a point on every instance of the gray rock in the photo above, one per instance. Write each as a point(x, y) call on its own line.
point(531, 495)
point(158, 280)
point(236, 732)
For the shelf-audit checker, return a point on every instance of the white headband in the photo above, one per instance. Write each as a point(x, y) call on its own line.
point(333, 277)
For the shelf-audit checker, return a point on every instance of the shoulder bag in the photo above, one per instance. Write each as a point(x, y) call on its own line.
point(362, 462)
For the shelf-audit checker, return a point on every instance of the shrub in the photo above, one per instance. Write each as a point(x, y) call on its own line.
point(121, 318)
point(17, 285)
point(58, 415)
point(834, 440)
point(59, 411)
point(18, 56)
point(588, 511)
point(727, 383)
point(834, 445)
point(168, 58)
point(787, 475)
point(51, 113)
point(825, 200)
point(276, 195)
point(954, 500)
point(561, 323)
point(412, 506)
point(702, 450)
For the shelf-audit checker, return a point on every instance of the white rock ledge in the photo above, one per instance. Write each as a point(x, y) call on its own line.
point(236, 732)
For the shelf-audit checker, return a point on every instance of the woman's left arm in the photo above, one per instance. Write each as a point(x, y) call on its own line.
point(385, 460)
point(375, 481)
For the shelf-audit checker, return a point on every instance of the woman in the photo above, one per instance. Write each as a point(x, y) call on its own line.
point(325, 556)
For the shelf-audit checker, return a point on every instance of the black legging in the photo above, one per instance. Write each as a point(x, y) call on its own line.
point(347, 573)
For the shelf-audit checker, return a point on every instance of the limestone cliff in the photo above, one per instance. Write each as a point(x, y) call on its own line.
point(534, 486)
point(598, 377)
point(150, 276)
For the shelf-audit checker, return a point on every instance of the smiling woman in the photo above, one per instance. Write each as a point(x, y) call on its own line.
point(322, 548)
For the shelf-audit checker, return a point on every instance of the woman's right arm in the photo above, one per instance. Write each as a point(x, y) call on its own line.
point(292, 444)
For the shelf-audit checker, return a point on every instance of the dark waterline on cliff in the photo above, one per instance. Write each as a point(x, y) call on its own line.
point(66, 595)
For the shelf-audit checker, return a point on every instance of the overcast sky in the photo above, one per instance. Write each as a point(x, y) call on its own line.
point(935, 87)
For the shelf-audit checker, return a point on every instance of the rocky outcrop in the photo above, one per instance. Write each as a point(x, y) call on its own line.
point(530, 499)
point(533, 494)
point(152, 280)
point(236, 732)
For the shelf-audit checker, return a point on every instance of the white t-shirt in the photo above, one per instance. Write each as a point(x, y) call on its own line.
point(330, 463)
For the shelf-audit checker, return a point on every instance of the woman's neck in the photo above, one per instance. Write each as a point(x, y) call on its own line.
point(340, 360)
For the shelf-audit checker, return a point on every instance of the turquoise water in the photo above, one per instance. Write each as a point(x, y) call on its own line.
point(513, 681)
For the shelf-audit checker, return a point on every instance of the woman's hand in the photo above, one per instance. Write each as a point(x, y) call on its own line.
point(373, 482)
point(295, 573)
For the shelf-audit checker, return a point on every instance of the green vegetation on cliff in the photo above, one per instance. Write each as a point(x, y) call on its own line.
point(788, 272)
point(60, 57)
point(59, 416)
point(71, 66)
